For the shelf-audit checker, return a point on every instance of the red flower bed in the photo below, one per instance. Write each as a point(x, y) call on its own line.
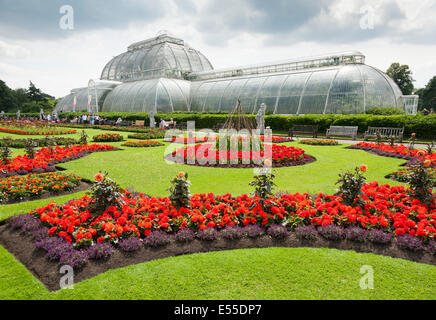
point(184, 140)
point(400, 151)
point(280, 154)
point(385, 207)
point(275, 139)
point(46, 157)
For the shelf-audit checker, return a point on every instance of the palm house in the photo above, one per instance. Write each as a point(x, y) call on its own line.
point(164, 74)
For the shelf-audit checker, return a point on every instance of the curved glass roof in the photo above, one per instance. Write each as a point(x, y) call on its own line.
point(162, 56)
point(161, 95)
point(350, 88)
point(153, 75)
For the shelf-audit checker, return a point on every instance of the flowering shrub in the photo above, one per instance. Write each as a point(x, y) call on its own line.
point(379, 236)
point(130, 244)
point(208, 234)
point(179, 192)
point(306, 232)
point(232, 233)
point(253, 231)
point(44, 142)
point(157, 239)
point(142, 144)
point(105, 193)
point(319, 142)
point(100, 251)
point(407, 242)
point(278, 232)
point(332, 232)
point(35, 185)
point(47, 157)
point(185, 235)
point(356, 234)
point(108, 137)
point(350, 185)
point(74, 258)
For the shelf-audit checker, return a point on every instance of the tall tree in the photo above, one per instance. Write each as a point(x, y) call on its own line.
point(34, 93)
point(7, 99)
point(402, 75)
point(429, 95)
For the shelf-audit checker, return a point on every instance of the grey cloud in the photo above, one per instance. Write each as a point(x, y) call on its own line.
point(27, 19)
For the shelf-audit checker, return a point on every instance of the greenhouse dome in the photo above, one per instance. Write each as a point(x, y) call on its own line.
point(164, 74)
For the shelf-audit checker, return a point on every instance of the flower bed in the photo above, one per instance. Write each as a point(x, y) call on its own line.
point(319, 142)
point(387, 222)
point(142, 144)
point(398, 151)
point(46, 158)
point(403, 175)
point(276, 139)
point(204, 155)
point(387, 208)
point(21, 143)
point(38, 131)
point(108, 137)
point(35, 185)
point(184, 140)
point(151, 134)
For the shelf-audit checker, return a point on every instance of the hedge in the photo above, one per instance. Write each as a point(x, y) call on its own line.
point(423, 126)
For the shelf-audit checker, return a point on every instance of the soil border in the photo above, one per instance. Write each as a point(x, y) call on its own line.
point(23, 249)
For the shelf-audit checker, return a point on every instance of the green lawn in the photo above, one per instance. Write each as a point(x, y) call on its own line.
point(243, 274)
point(274, 273)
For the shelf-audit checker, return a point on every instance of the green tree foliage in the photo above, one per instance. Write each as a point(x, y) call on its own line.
point(427, 95)
point(29, 100)
point(402, 76)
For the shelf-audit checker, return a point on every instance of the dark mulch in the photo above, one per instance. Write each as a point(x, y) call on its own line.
point(306, 160)
point(81, 187)
point(48, 272)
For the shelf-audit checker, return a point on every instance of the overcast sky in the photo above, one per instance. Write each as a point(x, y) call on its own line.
point(230, 33)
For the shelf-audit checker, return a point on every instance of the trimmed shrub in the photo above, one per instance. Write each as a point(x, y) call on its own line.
point(306, 232)
point(278, 232)
point(332, 232)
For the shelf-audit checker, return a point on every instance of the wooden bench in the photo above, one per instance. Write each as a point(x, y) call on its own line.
point(385, 133)
point(303, 129)
point(342, 131)
point(139, 123)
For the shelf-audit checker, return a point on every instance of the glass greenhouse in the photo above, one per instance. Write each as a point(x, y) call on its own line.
point(165, 74)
